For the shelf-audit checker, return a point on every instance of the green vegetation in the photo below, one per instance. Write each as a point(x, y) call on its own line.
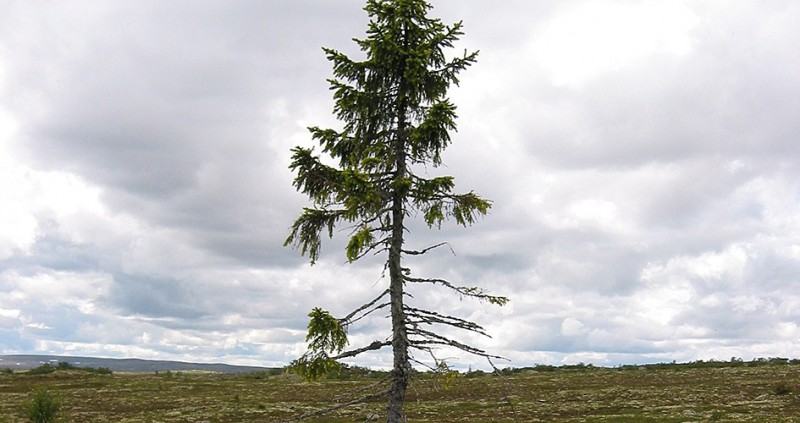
point(49, 368)
point(44, 406)
point(765, 390)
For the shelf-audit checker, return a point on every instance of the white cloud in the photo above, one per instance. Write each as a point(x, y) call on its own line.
point(587, 39)
point(571, 327)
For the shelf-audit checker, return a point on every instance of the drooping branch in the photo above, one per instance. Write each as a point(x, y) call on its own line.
point(307, 228)
point(464, 208)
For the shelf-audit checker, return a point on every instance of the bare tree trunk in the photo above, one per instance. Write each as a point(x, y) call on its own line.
point(401, 364)
point(400, 371)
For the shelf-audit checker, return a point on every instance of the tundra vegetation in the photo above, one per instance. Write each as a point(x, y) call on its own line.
point(43, 407)
point(763, 390)
point(371, 177)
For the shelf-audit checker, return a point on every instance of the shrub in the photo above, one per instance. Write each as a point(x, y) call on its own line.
point(63, 365)
point(783, 389)
point(42, 370)
point(474, 373)
point(102, 371)
point(43, 407)
point(6, 371)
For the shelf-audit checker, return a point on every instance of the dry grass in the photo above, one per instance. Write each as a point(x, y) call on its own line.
point(766, 393)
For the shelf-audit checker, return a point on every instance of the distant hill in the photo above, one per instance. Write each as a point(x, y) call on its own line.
point(23, 362)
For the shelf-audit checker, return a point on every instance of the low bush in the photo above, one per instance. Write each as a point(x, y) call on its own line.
point(783, 389)
point(43, 407)
point(42, 370)
point(63, 366)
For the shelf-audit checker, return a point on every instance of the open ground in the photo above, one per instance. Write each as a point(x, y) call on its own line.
point(766, 391)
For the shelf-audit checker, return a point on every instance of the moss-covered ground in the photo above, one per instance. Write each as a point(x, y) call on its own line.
point(767, 392)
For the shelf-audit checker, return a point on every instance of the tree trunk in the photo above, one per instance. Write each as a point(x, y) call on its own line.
point(400, 372)
point(401, 364)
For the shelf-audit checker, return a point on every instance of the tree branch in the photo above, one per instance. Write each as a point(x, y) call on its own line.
point(371, 347)
point(430, 317)
point(436, 339)
point(467, 291)
point(346, 321)
point(425, 250)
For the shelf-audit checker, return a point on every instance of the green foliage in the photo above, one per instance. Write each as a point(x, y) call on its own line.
point(351, 372)
point(103, 371)
point(314, 365)
point(474, 374)
point(41, 370)
point(716, 364)
point(264, 374)
point(326, 335)
point(43, 407)
point(325, 332)
point(6, 371)
point(361, 240)
point(64, 366)
point(395, 113)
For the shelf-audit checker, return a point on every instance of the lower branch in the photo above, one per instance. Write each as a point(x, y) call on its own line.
point(436, 339)
point(431, 317)
point(371, 347)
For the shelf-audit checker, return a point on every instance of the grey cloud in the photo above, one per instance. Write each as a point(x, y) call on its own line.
point(156, 297)
point(746, 318)
point(177, 115)
point(727, 98)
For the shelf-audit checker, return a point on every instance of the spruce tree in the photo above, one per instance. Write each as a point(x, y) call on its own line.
point(396, 119)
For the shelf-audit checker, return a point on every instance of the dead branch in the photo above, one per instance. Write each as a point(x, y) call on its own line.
point(431, 317)
point(371, 347)
point(425, 250)
point(346, 320)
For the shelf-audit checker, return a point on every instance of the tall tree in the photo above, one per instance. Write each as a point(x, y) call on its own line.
point(396, 119)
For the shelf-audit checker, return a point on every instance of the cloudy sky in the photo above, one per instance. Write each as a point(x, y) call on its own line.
point(642, 157)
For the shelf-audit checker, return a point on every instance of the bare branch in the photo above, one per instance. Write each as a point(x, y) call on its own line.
point(371, 347)
point(425, 250)
point(465, 291)
point(508, 384)
point(436, 339)
point(431, 317)
point(347, 319)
